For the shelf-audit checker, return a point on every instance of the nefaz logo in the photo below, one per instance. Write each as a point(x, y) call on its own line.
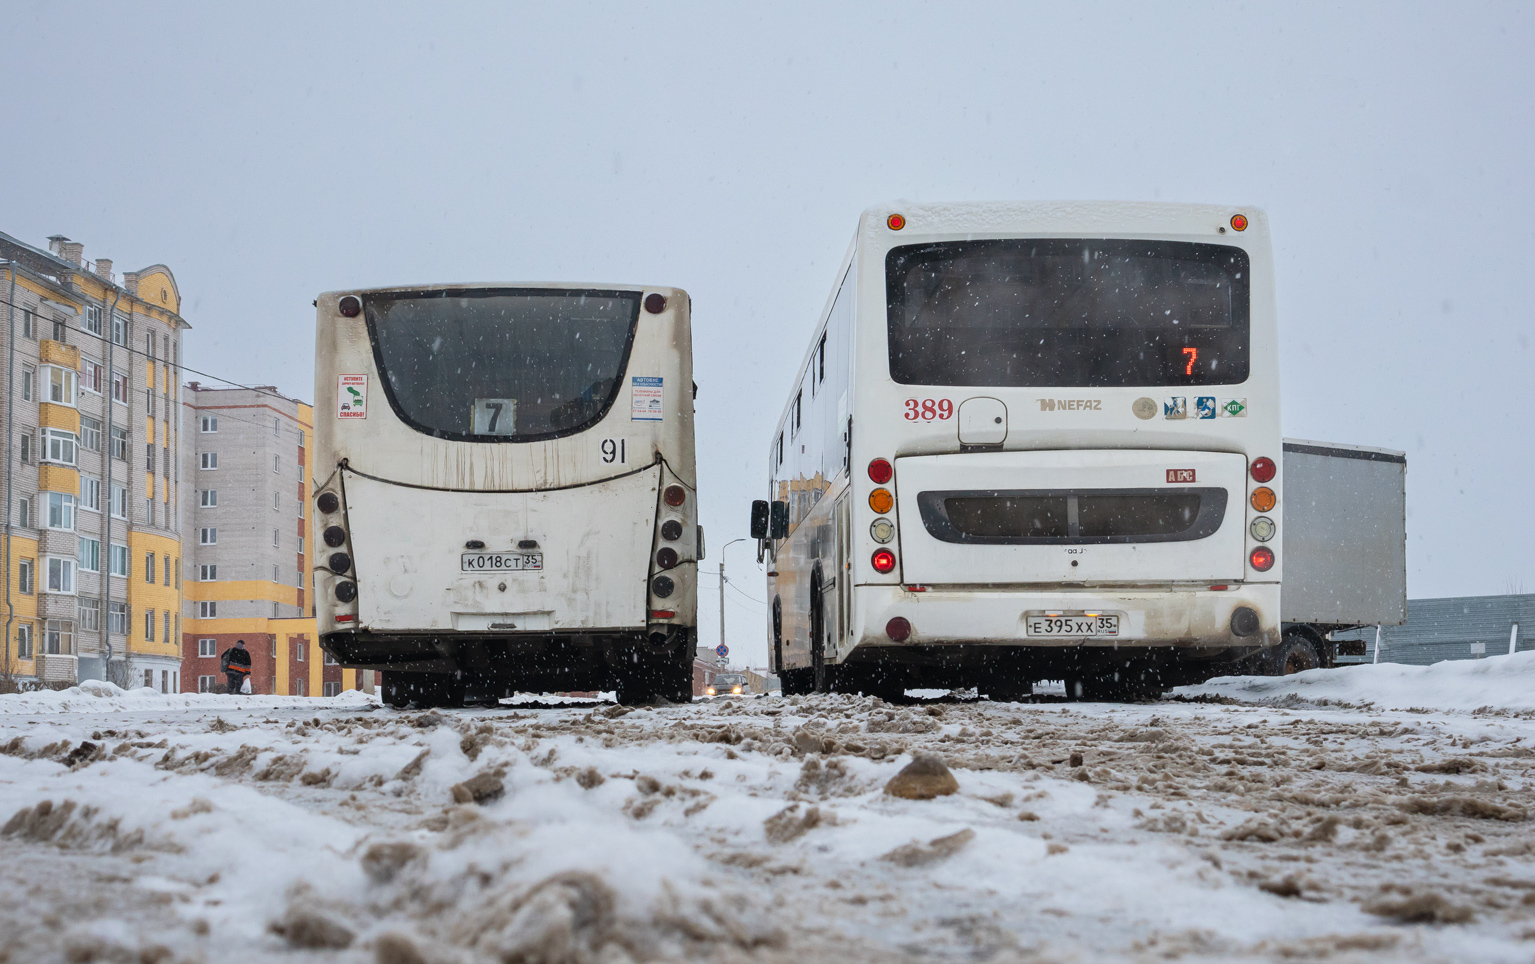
point(1071, 404)
point(1180, 475)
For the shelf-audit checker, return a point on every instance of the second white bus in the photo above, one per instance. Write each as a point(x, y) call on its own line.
point(1031, 441)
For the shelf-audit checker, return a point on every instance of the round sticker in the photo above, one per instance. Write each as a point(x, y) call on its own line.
point(1144, 408)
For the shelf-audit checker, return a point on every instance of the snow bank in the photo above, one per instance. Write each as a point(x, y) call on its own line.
point(95, 696)
point(1498, 682)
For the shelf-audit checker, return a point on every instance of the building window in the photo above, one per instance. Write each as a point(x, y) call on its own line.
point(301, 545)
point(210, 460)
point(90, 494)
point(28, 379)
point(165, 627)
point(206, 684)
point(61, 385)
point(276, 501)
point(301, 438)
point(90, 614)
point(59, 446)
point(120, 387)
point(149, 457)
point(93, 319)
point(330, 660)
point(149, 678)
point(90, 376)
point(119, 330)
point(167, 570)
point(149, 625)
point(90, 555)
point(90, 433)
point(149, 568)
point(210, 424)
point(24, 576)
point(208, 536)
point(61, 511)
point(59, 637)
point(209, 573)
point(149, 511)
point(25, 446)
point(298, 651)
point(117, 615)
point(799, 398)
point(120, 443)
point(207, 610)
point(24, 641)
point(60, 330)
point(301, 687)
point(118, 560)
point(119, 502)
point(274, 537)
point(333, 688)
point(276, 426)
point(277, 463)
point(61, 575)
point(207, 647)
point(24, 513)
point(301, 473)
point(300, 508)
point(209, 498)
point(29, 323)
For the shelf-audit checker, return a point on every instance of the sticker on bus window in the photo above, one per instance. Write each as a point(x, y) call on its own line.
point(494, 416)
point(352, 396)
point(1234, 408)
point(1175, 407)
point(645, 391)
point(1204, 406)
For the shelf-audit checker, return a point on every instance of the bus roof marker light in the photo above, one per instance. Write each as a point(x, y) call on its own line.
point(1239, 222)
point(655, 303)
point(1263, 470)
point(880, 472)
point(351, 306)
point(883, 560)
point(895, 222)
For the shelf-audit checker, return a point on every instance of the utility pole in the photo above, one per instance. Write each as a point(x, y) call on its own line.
point(722, 586)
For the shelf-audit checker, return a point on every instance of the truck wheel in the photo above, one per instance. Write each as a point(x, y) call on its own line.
point(1295, 654)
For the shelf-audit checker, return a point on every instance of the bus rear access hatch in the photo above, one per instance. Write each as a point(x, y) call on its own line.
point(1074, 517)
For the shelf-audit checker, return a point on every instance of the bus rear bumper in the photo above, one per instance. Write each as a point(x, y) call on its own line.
point(1174, 617)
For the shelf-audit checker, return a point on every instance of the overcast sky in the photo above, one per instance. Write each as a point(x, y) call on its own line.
point(274, 153)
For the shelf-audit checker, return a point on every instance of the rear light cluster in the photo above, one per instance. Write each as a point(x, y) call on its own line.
point(882, 529)
point(1263, 499)
point(667, 557)
point(340, 562)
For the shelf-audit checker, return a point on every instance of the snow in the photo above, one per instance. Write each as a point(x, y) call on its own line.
point(1505, 683)
point(1289, 825)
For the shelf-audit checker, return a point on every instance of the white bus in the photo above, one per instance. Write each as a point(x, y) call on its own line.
point(1031, 441)
point(504, 489)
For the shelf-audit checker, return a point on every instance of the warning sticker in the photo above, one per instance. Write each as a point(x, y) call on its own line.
point(352, 396)
point(645, 391)
point(1234, 408)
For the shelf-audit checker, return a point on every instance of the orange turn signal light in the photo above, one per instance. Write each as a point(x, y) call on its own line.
point(1263, 498)
point(880, 500)
point(895, 222)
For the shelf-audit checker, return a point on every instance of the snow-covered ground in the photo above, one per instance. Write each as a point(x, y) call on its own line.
point(1370, 813)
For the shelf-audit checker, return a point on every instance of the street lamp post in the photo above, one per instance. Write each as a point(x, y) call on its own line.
point(722, 586)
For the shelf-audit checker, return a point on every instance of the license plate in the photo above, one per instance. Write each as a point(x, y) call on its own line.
point(500, 561)
point(1072, 626)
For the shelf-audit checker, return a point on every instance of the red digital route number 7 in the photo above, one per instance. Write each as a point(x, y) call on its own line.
point(928, 409)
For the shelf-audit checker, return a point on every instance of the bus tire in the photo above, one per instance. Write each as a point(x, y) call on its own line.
point(1296, 653)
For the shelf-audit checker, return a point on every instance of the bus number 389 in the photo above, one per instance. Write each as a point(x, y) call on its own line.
point(928, 409)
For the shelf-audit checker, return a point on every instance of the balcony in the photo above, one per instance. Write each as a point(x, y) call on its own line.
point(58, 353)
point(53, 668)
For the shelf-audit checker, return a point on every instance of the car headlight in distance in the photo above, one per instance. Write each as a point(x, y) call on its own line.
point(708, 691)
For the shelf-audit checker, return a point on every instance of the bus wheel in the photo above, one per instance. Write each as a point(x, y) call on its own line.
point(666, 678)
point(1295, 654)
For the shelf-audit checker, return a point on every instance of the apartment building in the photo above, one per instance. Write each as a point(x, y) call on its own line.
point(246, 526)
point(91, 543)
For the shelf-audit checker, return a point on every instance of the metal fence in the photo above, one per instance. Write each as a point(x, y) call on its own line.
point(1456, 627)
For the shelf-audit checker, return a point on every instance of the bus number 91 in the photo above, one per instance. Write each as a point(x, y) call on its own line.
point(928, 409)
point(615, 450)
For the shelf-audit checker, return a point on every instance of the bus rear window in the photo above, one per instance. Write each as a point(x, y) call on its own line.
point(1059, 312)
point(510, 365)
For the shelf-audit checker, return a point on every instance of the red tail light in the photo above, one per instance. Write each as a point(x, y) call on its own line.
point(883, 560)
point(898, 629)
point(675, 495)
point(1262, 558)
point(880, 472)
point(1263, 470)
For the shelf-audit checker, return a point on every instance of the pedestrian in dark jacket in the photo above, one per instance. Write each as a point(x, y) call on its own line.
point(236, 663)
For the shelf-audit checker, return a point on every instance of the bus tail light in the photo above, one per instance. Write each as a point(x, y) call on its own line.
point(346, 591)
point(898, 629)
point(880, 472)
point(328, 502)
point(883, 560)
point(1262, 558)
point(667, 557)
point(334, 536)
point(1263, 470)
point(895, 222)
point(663, 614)
point(880, 500)
point(1263, 498)
point(662, 586)
point(675, 495)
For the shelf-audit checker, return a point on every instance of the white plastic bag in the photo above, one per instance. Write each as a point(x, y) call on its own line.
point(245, 687)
